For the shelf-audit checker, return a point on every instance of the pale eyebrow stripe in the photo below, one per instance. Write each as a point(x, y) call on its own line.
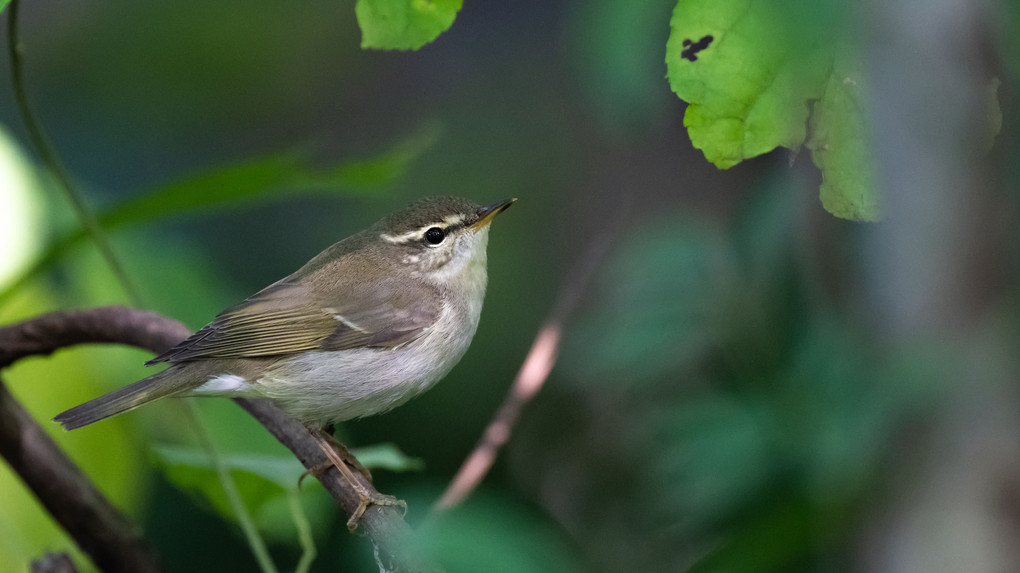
point(455, 220)
point(404, 238)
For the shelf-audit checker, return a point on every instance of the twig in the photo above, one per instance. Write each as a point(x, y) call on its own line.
point(532, 375)
point(118, 324)
point(52, 161)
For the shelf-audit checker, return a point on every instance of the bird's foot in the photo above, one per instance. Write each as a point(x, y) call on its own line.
point(342, 459)
point(367, 499)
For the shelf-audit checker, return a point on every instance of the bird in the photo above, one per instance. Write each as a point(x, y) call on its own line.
point(364, 326)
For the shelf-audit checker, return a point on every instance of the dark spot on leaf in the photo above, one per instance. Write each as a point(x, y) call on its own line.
point(691, 49)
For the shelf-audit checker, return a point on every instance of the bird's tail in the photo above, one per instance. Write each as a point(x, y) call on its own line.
point(119, 401)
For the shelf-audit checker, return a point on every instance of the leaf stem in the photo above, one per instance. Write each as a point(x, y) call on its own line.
point(52, 161)
point(304, 531)
point(255, 541)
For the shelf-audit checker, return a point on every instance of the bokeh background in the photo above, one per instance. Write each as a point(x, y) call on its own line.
point(749, 384)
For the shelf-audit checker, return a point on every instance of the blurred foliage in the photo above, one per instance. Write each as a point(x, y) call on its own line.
point(756, 415)
point(404, 24)
point(498, 535)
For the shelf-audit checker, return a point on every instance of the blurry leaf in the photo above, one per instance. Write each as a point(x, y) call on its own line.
point(840, 146)
point(404, 24)
point(786, 530)
point(496, 536)
point(387, 457)
point(842, 403)
point(3, 4)
point(263, 481)
point(616, 56)
point(751, 70)
point(21, 218)
point(274, 177)
point(282, 471)
point(716, 455)
point(665, 293)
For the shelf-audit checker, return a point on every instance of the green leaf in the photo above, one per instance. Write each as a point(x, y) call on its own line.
point(666, 289)
point(281, 471)
point(275, 176)
point(266, 484)
point(839, 145)
point(747, 72)
point(404, 24)
point(387, 457)
point(762, 74)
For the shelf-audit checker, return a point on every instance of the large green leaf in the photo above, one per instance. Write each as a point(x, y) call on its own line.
point(404, 24)
point(762, 74)
point(271, 177)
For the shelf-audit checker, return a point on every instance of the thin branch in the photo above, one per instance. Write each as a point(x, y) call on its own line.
point(532, 375)
point(118, 324)
point(51, 159)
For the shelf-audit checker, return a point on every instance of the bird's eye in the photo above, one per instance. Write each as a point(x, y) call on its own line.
point(434, 236)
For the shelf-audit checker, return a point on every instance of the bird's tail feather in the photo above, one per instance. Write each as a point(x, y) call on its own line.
point(121, 400)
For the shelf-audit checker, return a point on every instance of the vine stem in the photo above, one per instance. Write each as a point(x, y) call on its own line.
point(251, 533)
point(52, 161)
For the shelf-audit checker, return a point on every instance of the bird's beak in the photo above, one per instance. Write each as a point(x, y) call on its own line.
point(488, 213)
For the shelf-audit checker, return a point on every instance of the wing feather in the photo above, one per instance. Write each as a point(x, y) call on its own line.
point(286, 318)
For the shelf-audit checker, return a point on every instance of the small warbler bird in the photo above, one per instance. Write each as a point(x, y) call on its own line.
point(364, 326)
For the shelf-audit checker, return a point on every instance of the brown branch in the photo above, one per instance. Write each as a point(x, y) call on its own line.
point(533, 373)
point(96, 525)
point(99, 528)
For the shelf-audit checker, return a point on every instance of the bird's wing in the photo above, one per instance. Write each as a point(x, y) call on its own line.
point(285, 318)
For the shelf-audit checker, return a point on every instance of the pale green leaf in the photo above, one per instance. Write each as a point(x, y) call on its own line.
point(762, 74)
point(387, 457)
point(747, 71)
point(839, 145)
point(404, 24)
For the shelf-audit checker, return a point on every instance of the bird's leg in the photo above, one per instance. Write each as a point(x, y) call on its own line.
point(340, 458)
point(341, 450)
point(346, 454)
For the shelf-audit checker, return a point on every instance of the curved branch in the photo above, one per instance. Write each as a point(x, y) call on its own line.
point(152, 331)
